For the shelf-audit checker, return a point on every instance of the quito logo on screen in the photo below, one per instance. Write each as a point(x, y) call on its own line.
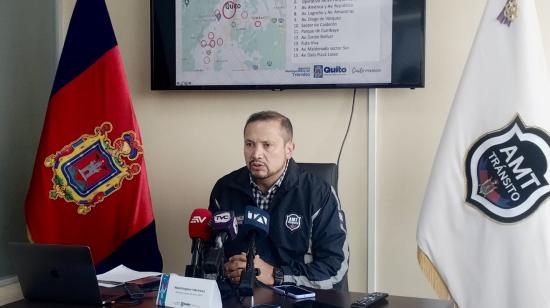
point(319, 70)
point(507, 171)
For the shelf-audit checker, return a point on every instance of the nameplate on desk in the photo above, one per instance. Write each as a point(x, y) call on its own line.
point(179, 291)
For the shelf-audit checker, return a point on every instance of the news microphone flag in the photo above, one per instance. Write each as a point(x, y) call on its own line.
point(484, 224)
point(257, 220)
point(225, 226)
point(255, 223)
point(225, 222)
point(199, 231)
point(89, 183)
point(199, 224)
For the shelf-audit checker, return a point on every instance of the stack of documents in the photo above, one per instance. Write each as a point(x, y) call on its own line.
point(120, 275)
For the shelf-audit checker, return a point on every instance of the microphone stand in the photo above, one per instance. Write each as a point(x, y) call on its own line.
point(248, 275)
point(192, 270)
point(213, 260)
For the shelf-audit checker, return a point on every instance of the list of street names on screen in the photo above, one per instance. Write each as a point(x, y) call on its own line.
point(327, 30)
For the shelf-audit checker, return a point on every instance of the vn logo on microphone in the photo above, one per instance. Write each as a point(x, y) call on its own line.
point(197, 220)
point(259, 218)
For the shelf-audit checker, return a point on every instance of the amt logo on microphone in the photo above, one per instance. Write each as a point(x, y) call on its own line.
point(197, 220)
point(257, 218)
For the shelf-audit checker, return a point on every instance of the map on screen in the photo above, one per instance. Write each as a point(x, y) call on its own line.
point(233, 42)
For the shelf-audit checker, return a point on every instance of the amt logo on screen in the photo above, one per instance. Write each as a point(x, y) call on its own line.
point(319, 70)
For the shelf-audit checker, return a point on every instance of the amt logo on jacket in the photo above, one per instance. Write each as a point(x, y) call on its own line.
point(293, 221)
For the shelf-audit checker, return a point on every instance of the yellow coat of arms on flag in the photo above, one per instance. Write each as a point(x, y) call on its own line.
point(91, 168)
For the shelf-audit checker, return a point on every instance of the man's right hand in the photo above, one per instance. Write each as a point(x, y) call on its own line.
point(234, 267)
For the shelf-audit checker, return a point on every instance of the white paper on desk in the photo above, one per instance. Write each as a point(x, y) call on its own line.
point(121, 274)
point(179, 291)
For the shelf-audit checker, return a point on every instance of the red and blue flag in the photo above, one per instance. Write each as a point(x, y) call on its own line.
point(89, 184)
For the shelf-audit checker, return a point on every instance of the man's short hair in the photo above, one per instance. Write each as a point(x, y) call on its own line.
point(270, 115)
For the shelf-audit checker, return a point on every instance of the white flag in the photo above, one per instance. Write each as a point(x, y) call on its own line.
point(485, 221)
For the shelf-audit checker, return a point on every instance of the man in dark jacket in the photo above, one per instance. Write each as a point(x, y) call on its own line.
point(307, 242)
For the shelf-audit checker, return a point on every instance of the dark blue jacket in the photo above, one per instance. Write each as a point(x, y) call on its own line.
point(307, 233)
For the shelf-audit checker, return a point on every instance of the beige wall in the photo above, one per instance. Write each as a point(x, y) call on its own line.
point(192, 138)
point(185, 133)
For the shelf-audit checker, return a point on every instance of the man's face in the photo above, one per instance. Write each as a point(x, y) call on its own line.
point(265, 150)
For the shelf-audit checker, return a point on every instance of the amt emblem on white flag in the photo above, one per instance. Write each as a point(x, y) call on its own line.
point(507, 172)
point(485, 222)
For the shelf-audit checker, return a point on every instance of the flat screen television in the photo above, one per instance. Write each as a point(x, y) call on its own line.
point(287, 44)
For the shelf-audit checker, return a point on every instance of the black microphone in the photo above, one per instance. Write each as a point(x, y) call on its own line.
point(255, 223)
point(225, 225)
point(199, 231)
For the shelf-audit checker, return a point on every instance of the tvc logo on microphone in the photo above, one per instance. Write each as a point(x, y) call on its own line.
point(222, 217)
point(197, 219)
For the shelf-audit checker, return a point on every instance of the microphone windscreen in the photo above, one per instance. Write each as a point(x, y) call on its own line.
point(256, 219)
point(225, 221)
point(199, 224)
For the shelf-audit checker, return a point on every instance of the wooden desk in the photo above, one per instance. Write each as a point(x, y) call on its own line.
point(326, 298)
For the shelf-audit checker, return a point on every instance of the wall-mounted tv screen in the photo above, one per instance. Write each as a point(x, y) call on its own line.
point(282, 44)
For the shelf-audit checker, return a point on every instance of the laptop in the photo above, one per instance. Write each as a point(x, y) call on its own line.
point(60, 273)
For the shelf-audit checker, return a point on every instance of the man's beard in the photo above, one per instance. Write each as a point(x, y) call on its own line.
point(262, 177)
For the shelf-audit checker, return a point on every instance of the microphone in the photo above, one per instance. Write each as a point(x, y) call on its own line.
point(225, 225)
point(199, 231)
point(255, 223)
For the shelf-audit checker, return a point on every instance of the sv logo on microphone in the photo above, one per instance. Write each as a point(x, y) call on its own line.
point(257, 218)
point(222, 218)
point(197, 220)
